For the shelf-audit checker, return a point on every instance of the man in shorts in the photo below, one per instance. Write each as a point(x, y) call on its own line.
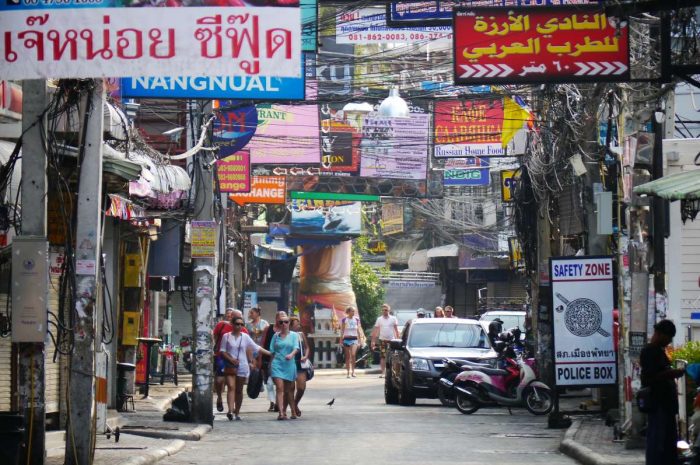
point(385, 329)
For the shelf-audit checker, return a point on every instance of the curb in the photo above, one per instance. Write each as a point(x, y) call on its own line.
point(583, 454)
point(341, 371)
point(194, 435)
point(155, 455)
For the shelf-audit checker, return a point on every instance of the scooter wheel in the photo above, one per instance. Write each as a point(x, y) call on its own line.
point(538, 402)
point(465, 404)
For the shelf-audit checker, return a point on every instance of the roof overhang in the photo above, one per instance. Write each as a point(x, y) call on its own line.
point(678, 186)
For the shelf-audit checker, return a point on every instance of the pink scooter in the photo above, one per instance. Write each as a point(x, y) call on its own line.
point(516, 385)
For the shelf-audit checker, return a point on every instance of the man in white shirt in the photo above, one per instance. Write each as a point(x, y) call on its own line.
point(385, 329)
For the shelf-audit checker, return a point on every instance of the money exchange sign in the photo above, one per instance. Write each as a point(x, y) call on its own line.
point(536, 45)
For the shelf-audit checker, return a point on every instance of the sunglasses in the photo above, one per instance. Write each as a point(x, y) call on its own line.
point(284, 322)
point(238, 324)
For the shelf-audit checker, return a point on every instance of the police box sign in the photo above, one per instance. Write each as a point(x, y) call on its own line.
point(582, 297)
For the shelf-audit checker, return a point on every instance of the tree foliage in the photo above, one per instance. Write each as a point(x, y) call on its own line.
point(367, 286)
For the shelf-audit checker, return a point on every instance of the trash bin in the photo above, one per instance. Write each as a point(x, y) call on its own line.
point(11, 437)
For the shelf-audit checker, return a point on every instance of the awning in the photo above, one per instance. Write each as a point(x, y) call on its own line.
point(451, 250)
point(678, 186)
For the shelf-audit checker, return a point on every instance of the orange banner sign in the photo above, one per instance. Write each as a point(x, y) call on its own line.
point(263, 189)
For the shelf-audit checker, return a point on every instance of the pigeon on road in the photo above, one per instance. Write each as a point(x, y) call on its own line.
point(330, 404)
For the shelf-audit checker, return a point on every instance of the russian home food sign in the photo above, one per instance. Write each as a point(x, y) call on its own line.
point(121, 42)
point(582, 301)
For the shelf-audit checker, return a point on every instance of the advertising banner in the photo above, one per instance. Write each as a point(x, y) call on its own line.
point(339, 143)
point(234, 125)
point(122, 42)
point(468, 128)
point(470, 171)
point(234, 172)
point(263, 189)
point(203, 239)
point(369, 26)
point(539, 45)
point(509, 179)
point(326, 217)
point(392, 218)
point(394, 147)
point(286, 135)
point(582, 298)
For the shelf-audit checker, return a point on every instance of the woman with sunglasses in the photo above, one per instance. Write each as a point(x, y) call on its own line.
point(237, 349)
point(284, 347)
point(301, 357)
point(352, 337)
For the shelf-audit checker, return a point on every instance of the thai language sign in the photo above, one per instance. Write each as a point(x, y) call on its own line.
point(263, 189)
point(534, 45)
point(465, 128)
point(368, 26)
point(121, 42)
point(582, 298)
point(203, 239)
point(394, 147)
point(234, 172)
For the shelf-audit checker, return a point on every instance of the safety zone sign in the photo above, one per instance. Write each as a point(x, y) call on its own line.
point(582, 300)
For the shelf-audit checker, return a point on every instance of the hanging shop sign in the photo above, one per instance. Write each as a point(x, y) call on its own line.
point(439, 12)
point(467, 128)
point(203, 236)
point(309, 30)
point(392, 218)
point(233, 172)
point(339, 143)
point(234, 125)
point(326, 217)
point(539, 45)
point(286, 134)
point(369, 26)
point(263, 189)
point(582, 298)
point(395, 148)
point(471, 171)
point(509, 179)
point(122, 42)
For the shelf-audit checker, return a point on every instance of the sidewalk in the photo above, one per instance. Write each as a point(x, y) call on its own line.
point(590, 442)
point(144, 437)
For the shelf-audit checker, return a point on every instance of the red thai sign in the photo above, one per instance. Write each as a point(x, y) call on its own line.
point(539, 44)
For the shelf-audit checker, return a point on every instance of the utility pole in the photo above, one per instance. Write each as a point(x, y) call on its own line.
point(31, 354)
point(204, 286)
point(87, 330)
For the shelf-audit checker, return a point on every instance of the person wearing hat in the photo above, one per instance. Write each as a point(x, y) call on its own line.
point(420, 313)
point(657, 373)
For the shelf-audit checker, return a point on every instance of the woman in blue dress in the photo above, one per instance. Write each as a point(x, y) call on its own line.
point(284, 346)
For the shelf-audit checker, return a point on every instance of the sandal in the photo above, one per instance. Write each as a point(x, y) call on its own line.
point(281, 417)
point(298, 412)
point(293, 417)
point(219, 406)
point(229, 415)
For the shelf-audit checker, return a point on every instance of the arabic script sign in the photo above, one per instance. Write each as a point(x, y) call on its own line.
point(120, 42)
point(535, 45)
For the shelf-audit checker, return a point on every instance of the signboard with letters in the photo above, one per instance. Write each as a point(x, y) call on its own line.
point(263, 189)
point(233, 172)
point(468, 128)
point(582, 298)
point(509, 179)
point(369, 26)
point(286, 134)
point(470, 171)
point(121, 42)
point(536, 45)
point(203, 239)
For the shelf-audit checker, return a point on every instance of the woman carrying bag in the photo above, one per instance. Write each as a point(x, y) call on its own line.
point(302, 362)
point(237, 350)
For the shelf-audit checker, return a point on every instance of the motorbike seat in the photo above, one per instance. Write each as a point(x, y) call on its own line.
point(492, 371)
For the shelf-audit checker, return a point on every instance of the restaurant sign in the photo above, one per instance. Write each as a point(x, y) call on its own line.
point(121, 42)
point(536, 45)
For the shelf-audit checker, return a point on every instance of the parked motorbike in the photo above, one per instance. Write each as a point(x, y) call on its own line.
point(451, 368)
point(513, 385)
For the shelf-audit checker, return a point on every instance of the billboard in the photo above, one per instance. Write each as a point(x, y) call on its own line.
point(582, 298)
point(263, 189)
point(369, 26)
point(121, 42)
point(326, 217)
point(233, 172)
point(392, 218)
point(395, 147)
point(467, 128)
point(339, 143)
point(466, 172)
point(286, 135)
point(523, 45)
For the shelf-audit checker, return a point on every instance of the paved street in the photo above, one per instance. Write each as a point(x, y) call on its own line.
point(360, 428)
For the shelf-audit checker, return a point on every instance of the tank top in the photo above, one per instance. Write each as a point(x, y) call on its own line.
point(351, 325)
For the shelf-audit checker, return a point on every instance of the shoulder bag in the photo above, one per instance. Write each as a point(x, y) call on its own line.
point(306, 365)
point(645, 401)
point(230, 369)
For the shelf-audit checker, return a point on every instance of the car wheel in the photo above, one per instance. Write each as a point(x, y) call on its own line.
point(406, 397)
point(465, 404)
point(391, 394)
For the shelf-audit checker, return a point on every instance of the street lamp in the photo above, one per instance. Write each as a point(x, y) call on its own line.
point(394, 105)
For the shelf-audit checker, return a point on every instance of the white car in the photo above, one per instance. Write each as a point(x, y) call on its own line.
point(510, 319)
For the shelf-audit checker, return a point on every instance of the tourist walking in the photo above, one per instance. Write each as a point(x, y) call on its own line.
point(385, 329)
point(256, 326)
point(266, 360)
point(302, 358)
point(222, 327)
point(284, 347)
point(351, 336)
point(237, 349)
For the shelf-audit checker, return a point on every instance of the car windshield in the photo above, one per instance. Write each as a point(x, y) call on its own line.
point(509, 321)
point(448, 335)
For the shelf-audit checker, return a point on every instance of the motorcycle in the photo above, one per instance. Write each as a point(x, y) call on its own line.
point(514, 385)
point(451, 368)
point(186, 351)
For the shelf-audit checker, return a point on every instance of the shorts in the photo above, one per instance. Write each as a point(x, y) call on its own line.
point(349, 342)
point(383, 348)
point(219, 365)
